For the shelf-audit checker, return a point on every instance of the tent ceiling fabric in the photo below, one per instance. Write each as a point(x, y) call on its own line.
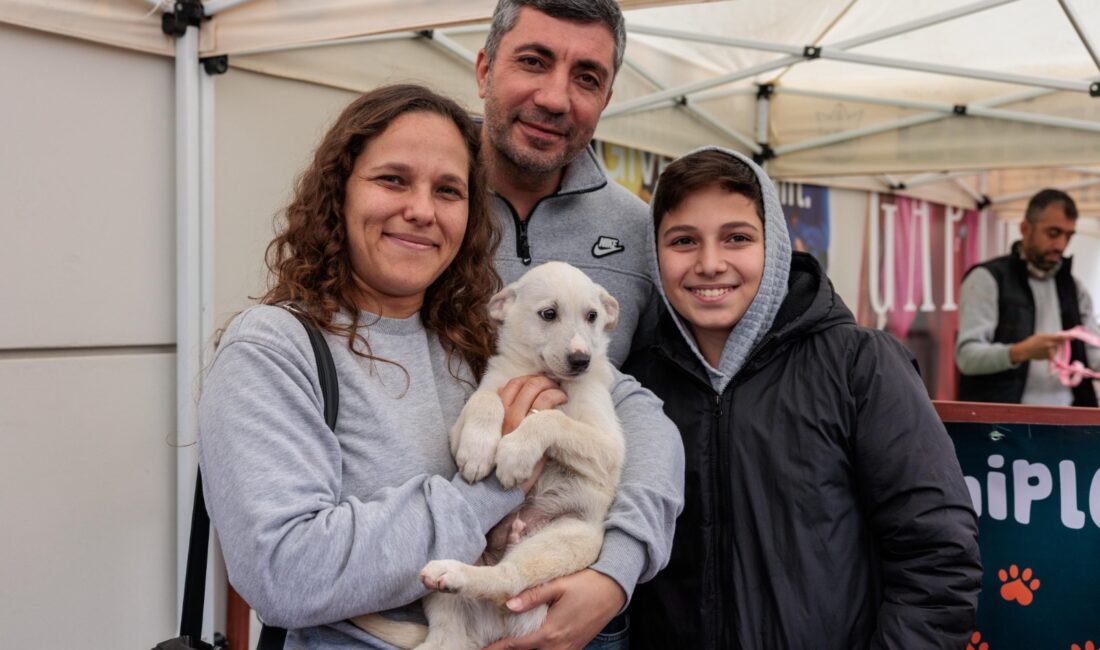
point(257, 24)
point(130, 24)
point(845, 117)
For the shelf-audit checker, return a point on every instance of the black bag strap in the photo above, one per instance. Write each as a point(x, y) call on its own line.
point(194, 585)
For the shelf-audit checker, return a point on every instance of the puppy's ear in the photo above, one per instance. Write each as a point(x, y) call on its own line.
point(501, 303)
point(611, 308)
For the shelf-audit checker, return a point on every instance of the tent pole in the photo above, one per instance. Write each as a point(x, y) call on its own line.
point(216, 579)
point(948, 109)
point(687, 89)
point(1091, 171)
point(1076, 22)
point(955, 71)
point(974, 194)
point(188, 287)
point(1009, 198)
point(763, 116)
point(698, 112)
point(212, 7)
point(452, 46)
point(843, 136)
point(722, 93)
point(920, 23)
point(374, 38)
point(837, 51)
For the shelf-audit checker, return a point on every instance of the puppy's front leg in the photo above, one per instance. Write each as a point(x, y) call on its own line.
point(519, 451)
point(478, 434)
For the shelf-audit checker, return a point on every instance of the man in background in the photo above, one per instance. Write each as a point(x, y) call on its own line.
point(1012, 311)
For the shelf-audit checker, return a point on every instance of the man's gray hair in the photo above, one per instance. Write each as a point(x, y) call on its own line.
point(586, 11)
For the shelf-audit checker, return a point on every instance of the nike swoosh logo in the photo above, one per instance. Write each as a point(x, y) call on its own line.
point(603, 251)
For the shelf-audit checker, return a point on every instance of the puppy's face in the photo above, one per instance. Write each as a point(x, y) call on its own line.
point(557, 318)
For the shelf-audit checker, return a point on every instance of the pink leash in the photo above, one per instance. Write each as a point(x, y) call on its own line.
point(1072, 373)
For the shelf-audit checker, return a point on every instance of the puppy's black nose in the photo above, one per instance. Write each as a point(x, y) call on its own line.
point(578, 361)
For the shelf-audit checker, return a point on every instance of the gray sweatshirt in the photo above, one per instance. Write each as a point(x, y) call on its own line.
point(318, 526)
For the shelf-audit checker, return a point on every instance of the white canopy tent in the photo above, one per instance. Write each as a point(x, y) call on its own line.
point(885, 95)
point(956, 102)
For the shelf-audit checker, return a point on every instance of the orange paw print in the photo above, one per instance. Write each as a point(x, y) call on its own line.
point(1089, 645)
point(1017, 586)
point(976, 642)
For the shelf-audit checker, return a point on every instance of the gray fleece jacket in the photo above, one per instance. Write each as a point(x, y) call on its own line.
point(597, 226)
point(318, 526)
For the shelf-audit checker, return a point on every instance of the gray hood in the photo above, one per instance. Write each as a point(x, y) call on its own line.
point(758, 319)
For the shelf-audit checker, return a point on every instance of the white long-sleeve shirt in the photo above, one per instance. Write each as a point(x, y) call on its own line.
point(977, 354)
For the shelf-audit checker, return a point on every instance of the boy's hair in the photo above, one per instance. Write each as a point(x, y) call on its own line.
point(699, 171)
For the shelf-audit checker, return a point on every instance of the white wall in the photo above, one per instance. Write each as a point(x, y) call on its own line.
point(1085, 249)
point(87, 356)
point(266, 130)
point(847, 220)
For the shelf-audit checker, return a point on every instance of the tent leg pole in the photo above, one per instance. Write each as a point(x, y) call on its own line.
point(188, 348)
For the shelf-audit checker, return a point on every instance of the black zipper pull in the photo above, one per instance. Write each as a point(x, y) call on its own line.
point(523, 247)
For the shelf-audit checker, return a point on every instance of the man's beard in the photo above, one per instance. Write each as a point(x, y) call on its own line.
point(1040, 260)
point(530, 159)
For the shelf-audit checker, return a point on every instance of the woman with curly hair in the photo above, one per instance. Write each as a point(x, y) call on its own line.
point(387, 249)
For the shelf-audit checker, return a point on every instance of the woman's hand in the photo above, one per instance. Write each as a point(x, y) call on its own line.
point(581, 605)
point(520, 396)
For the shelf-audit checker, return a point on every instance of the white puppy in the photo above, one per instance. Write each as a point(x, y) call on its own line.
point(553, 321)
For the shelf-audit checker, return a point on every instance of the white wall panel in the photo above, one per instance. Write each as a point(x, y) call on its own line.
point(266, 130)
point(87, 232)
point(847, 221)
point(87, 497)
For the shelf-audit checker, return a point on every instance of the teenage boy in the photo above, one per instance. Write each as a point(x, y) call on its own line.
point(824, 504)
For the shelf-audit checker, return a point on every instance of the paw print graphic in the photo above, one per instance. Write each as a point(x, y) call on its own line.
point(1018, 586)
point(1089, 645)
point(976, 642)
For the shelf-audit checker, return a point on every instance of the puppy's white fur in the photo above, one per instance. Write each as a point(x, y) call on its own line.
point(550, 320)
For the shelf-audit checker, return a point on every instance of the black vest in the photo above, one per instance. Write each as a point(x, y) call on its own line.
point(1016, 322)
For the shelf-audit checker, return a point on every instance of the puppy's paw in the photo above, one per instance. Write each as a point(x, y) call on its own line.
point(477, 450)
point(444, 575)
point(516, 458)
point(515, 533)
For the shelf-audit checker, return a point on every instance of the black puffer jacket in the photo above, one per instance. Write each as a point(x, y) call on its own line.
point(825, 507)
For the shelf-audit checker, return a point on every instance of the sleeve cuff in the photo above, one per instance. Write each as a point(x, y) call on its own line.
point(1006, 358)
point(623, 559)
point(489, 500)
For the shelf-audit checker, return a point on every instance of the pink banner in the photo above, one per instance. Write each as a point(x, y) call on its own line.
point(915, 256)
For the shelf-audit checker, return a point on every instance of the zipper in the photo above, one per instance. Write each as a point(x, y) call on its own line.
point(721, 504)
point(523, 246)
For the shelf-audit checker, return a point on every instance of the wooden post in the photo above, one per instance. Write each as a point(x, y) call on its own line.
point(237, 619)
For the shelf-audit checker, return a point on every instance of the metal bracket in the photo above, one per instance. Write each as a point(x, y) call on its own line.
point(959, 109)
point(811, 52)
point(984, 203)
point(1094, 89)
point(215, 64)
point(766, 154)
point(764, 91)
point(186, 13)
